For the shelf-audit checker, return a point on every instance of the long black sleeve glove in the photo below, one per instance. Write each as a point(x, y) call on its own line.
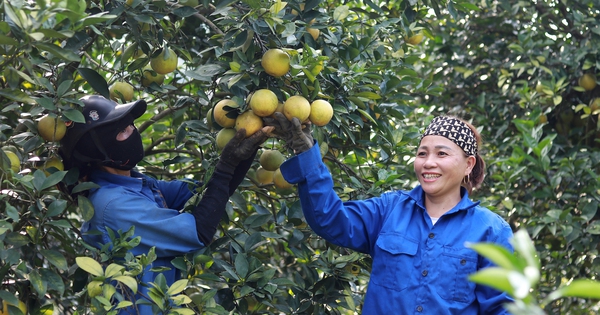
point(236, 158)
point(297, 137)
point(240, 173)
point(240, 148)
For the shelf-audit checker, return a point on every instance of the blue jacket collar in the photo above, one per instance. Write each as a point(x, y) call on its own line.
point(103, 178)
point(465, 203)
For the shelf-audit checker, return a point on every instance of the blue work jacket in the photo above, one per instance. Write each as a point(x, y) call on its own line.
point(418, 267)
point(153, 207)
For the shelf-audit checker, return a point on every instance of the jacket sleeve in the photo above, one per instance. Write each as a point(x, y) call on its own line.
point(240, 173)
point(352, 224)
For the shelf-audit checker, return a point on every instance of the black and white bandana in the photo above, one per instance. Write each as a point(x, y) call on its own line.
point(455, 130)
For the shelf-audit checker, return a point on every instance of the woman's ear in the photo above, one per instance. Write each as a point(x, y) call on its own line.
point(471, 161)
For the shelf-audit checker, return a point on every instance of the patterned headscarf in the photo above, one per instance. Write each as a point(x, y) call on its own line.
point(455, 130)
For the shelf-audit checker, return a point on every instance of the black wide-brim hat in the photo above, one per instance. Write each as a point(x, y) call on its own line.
point(98, 111)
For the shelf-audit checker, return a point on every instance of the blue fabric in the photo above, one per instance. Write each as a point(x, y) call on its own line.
point(418, 268)
point(152, 206)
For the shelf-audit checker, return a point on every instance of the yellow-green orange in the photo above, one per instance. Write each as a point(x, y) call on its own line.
point(276, 62)
point(209, 119)
point(249, 121)
point(53, 162)
point(415, 39)
point(165, 62)
point(263, 176)
point(121, 92)
point(588, 81)
point(263, 102)
point(279, 181)
point(314, 32)
point(271, 159)
point(51, 128)
point(14, 163)
point(223, 137)
point(220, 113)
point(321, 112)
point(296, 106)
point(150, 76)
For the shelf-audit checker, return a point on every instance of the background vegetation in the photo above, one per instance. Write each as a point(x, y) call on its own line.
point(510, 67)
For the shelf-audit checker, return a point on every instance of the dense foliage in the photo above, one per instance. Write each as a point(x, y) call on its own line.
point(510, 67)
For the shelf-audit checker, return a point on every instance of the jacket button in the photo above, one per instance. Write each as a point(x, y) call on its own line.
point(424, 273)
point(431, 235)
point(463, 262)
point(419, 308)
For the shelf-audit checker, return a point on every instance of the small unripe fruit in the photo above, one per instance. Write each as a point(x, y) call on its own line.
point(279, 181)
point(271, 159)
point(263, 176)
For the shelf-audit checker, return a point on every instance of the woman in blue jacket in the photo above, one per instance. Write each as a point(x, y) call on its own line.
point(107, 147)
point(416, 238)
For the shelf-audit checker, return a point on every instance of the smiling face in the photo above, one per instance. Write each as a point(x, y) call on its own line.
point(440, 166)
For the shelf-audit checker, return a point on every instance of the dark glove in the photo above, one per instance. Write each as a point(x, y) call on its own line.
point(296, 136)
point(240, 148)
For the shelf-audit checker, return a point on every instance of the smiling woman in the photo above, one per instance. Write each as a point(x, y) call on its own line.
point(416, 238)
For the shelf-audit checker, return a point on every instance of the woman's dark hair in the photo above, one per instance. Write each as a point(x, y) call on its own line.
point(477, 174)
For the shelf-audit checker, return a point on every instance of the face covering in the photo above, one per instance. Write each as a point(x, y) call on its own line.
point(124, 155)
point(101, 145)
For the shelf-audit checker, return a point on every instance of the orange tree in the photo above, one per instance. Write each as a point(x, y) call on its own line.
point(385, 66)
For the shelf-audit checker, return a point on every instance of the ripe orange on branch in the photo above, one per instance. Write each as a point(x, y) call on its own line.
point(220, 113)
point(321, 112)
point(51, 128)
point(165, 62)
point(263, 102)
point(587, 81)
point(276, 62)
point(249, 121)
point(296, 106)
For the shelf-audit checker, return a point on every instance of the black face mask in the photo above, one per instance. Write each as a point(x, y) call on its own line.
point(101, 146)
point(124, 155)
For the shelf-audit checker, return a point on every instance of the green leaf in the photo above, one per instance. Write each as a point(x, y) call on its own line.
point(494, 277)
point(86, 207)
point(128, 281)
point(74, 115)
point(53, 179)
point(241, 265)
point(113, 269)
point(17, 95)
point(97, 18)
point(95, 80)
point(581, 288)
point(56, 207)
point(59, 52)
point(38, 282)
point(55, 258)
point(90, 266)
point(177, 287)
point(84, 186)
point(5, 40)
point(524, 246)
